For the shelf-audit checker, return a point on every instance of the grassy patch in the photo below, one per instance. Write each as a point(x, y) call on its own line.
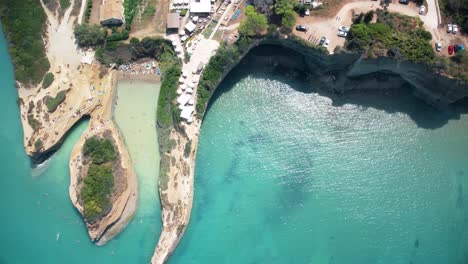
point(53, 102)
point(48, 80)
point(168, 113)
point(38, 145)
point(64, 4)
point(23, 23)
point(149, 11)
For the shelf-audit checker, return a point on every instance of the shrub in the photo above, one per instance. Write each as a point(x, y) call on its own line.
point(38, 145)
point(48, 80)
point(53, 102)
point(255, 23)
point(99, 150)
point(167, 112)
point(368, 17)
point(96, 191)
point(183, 12)
point(188, 148)
point(89, 36)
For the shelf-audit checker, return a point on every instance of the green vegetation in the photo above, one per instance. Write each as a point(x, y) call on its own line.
point(48, 80)
point(89, 7)
point(188, 148)
point(38, 145)
point(99, 181)
point(395, 35)
point(456, 11)
point(89, 35)
point(168, 113)
point(53, 102)
point(183, 12)
point(100, 150)
point(64, 4)
point(255, 23)
point(130, 9)
point(23, 23)
point(96, 191)
point(285, 9)
point(149, 11)
point(34, 123)
point(225, 57)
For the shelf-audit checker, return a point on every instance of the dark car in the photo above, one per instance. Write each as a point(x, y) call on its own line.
point(450, 50)
point(322, 40)
point(405, 2)
point(301, 28)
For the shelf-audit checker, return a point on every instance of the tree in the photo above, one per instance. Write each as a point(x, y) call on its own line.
point(89, 36)
point(48, 80)
point(359, 37)
point(255, 23)
point(264, 6)
point(368, 17)
point(285, 9)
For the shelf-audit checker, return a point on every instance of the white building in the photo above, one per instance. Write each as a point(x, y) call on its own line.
point(200, 7)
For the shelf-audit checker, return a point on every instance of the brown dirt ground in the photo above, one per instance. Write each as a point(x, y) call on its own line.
point(94, 18)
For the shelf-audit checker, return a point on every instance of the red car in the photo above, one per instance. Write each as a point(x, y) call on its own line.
point(450, 50)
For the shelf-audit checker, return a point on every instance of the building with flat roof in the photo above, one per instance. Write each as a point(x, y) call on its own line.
point(173, 21)
point(111, 13)
point(200, 7)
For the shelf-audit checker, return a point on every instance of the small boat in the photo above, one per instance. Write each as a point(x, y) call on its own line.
point(57, 237)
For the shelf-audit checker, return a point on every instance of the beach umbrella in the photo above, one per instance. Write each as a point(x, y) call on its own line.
point(189, 90)
point(191, 102)
point(179, 91)
point(186, 2)
point(184, 74)
point(192, 85)
point(183, 86)
point(181, 79)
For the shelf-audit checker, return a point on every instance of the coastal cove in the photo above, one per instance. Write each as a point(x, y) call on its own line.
point(41, 223)
point(310, 175)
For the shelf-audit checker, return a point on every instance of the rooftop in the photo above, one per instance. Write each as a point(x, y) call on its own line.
point(173, 20)
point(111, 9)
point(200, 6)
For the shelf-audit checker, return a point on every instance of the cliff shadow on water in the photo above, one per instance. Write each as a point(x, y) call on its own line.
point(40, 157)
point(334, 76)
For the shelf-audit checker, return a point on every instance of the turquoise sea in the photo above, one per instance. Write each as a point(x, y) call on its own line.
point(284, 176)
point(36, 208)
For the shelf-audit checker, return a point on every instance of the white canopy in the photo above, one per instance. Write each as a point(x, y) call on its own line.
point(187, 113)
point(191, 102)
point(184, 38)
point(183, 99)
point(195, 19)
point(191, 85)
point(181, 79)
point(183, 86)
point(179, 91)
point(190, 27)
point(189, 90)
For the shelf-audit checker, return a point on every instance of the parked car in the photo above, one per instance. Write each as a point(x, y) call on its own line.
point(450, 50)
point(322, 40)
point(454, 29)
point(327, 42)
point(438, 46)
point(405, 2)
point(342, 34)
point(422, 10)
point(307, 12)
point(449, 28)
point(458, 47)
point(301, 28)
point(344, 29)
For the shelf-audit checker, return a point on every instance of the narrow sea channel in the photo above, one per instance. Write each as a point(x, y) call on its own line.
point(38, 223)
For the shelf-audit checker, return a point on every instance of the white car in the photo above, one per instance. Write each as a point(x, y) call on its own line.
point(342, 34)
point(438, 46)
point(422, 10)
point(307, 12)
point(455, 29)
point(344, 29)
point(449, 28)
point(327, 42)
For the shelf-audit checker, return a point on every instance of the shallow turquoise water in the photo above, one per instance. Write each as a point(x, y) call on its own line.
point(284, 176)
point(36, 208)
